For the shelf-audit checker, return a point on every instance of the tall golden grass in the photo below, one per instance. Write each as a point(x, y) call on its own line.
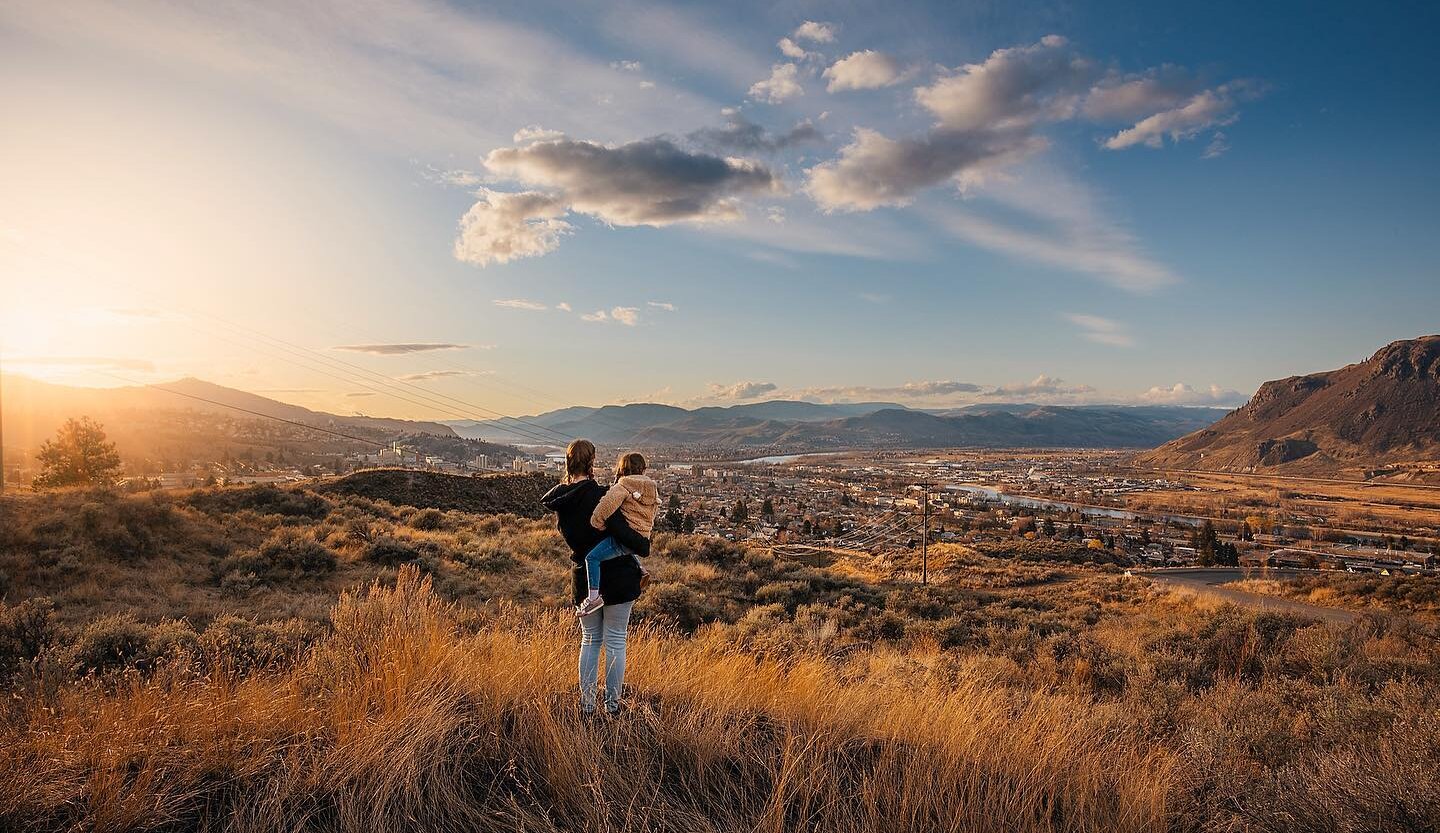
point(415, 714)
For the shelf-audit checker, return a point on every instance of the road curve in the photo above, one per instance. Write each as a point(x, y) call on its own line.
point(1207, 579)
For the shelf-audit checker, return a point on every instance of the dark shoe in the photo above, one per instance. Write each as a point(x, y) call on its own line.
point(589, 606)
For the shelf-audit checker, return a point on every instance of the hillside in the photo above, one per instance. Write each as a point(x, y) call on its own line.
point(803, 426)
point(517, 494)
point(265, 659)
point(191, 425)
point(1380, 412)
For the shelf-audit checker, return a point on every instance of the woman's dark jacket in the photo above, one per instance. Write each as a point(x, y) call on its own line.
point(573, 504)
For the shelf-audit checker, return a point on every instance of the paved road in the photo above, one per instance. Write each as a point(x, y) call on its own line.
point(1205, 579)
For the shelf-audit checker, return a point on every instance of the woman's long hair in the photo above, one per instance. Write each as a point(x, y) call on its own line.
point(579, 460)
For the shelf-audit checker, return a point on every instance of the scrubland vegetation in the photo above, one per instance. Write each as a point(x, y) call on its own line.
point(1415, 594)
point(262, 659)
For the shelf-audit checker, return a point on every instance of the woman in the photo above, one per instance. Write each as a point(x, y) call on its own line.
point(573, 501)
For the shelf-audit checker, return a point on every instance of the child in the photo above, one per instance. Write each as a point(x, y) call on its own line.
point(637, 498)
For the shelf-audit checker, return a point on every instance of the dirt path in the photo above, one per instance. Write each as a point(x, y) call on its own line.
point(1206, 579)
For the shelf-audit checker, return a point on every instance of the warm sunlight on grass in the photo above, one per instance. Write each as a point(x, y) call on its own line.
point(403, 718)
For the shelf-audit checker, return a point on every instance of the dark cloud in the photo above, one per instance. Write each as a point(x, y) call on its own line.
point(648, 182)
point(739, 134)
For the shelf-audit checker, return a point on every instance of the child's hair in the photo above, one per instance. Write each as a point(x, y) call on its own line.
point(631, 462)
point(579, 460)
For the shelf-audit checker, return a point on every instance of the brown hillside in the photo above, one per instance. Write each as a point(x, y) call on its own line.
point(518, 494)
point(1382, 411)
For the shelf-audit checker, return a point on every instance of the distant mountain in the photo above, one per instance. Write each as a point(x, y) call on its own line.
point(1042, 426)
point(34, 409)
point(798, 426)
point(1384, 410)
point(656, 424)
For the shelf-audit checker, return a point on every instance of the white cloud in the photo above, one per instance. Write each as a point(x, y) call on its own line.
point(535, 133)
point(1015, 87)
point(1217, 147)
point(1206, 110)
point(816, 31)
point(1182, 394)
point(1101, 330)
point(987, 119)
point(868, 70)
point(597, 315)
point(783, 83)
point(647, 182)
point(520, 303)
point(627, 66)
point(503, 227)
point(739, 390)
point(661, 305)
point(926, 390)
point(1042, 386)
point(1129, 98)
point(428, 375)
point(647, 85)
point(1050, 218)
point(791, 49)
point(563, 307)
point(410, 75)
point(874, 170)
point(629, 316)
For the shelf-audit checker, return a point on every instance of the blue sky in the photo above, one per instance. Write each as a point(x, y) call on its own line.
point(928, 203)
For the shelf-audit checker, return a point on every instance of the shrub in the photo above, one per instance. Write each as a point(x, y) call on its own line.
point(428, 520)
point(263, 500)
point(109, 643)
point(287, 555)
point(886, 625)
point(787, 593)
point(680, 606)
point(390, 552)
point(243, 645)
point(487, 555)
point(27, 630)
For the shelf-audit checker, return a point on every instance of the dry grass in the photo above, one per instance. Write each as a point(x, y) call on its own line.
point(1022, 690)
point(400, 720)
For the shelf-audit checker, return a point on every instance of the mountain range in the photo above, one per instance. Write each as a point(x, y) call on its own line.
point(1384, 411)
point(802, 426)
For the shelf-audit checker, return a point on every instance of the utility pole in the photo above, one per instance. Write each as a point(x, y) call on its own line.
point(925, 538)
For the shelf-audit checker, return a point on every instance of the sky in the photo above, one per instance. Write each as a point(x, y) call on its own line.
point(527, 205)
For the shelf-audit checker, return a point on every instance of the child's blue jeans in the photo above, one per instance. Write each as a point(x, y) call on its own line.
point(604, 551)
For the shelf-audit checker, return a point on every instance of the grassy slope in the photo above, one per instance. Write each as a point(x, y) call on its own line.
point(767, 695)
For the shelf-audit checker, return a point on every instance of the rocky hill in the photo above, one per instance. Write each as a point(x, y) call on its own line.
point(1384, 411)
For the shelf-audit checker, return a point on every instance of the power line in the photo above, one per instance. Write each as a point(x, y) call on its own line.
point(295, 423)
point(367, 384)
point(536, 430)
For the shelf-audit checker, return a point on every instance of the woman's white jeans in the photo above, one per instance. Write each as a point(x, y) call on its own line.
point(606, 626)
